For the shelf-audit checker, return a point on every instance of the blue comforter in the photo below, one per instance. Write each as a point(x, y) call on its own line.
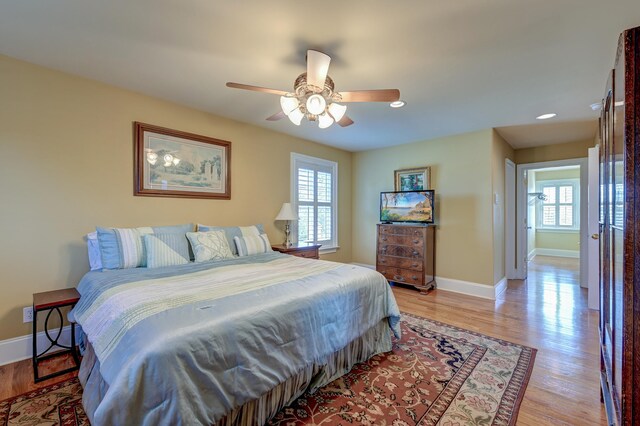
point(187, 344)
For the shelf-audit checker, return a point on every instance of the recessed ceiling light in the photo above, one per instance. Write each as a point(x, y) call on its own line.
point(546, 116)
point(596, 106)
point(397, 104)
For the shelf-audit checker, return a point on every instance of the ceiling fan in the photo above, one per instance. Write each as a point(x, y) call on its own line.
point(315, 98)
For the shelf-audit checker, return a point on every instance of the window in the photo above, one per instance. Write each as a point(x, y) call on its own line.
point(560, 208)
point(314, 183)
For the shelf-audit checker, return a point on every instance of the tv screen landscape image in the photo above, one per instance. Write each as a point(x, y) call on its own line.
point(406, 206)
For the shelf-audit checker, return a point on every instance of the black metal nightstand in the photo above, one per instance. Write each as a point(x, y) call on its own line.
point(53, 301)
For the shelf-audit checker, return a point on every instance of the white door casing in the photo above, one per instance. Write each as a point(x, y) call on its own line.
point(510, 219)
point(593, 228)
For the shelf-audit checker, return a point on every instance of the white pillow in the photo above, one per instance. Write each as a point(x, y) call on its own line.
point(252, 244)
point(93, 248)
point(210, 245)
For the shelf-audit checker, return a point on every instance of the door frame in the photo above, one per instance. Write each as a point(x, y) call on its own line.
point(593, 228)
point(521, 208)
point(510, 218)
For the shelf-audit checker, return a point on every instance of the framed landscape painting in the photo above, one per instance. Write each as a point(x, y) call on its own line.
point(413, 179)
point(171, 163)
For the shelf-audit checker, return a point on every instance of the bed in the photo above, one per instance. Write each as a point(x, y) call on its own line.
point(227, 342)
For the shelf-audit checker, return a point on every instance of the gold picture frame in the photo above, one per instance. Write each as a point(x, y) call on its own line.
point(415, 179)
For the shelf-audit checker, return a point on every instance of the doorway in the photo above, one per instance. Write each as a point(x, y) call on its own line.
point(551, 215)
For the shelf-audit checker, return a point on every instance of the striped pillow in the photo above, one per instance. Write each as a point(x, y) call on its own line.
point(122, 248)
point(252, 244)
point(210, 245)
point(166, 250)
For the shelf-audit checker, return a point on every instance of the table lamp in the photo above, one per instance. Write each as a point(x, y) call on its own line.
point(287, 214)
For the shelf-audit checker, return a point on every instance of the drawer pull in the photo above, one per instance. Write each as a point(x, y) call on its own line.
point(416, 241)
point(415, 265)
point(384, 238)
point(384, 249)
point(398, 278)
point(415, 253)
point(414, 278)
point(383, 261)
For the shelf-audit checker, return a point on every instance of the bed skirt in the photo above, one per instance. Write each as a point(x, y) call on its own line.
point(376, 340)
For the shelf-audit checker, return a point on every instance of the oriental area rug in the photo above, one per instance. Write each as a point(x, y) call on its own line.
point(435, 374)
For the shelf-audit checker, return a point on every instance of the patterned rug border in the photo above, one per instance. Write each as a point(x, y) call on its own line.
point(42, 390)
point(521, 371)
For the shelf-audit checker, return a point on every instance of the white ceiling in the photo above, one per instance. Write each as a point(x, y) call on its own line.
point(460, 65)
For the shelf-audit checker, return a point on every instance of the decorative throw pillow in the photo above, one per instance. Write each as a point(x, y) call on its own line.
point(93, 249)
point(252, 244)
point(166, 250)
point(210, 245)
point(234, 231)
point(122, 248)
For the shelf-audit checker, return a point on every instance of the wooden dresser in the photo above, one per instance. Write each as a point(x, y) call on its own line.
point(406, 254)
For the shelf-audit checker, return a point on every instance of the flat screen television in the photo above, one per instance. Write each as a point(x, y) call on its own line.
point(407, 206)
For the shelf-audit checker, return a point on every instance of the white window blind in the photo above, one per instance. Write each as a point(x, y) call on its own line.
point(560, 208)
point(314, 193)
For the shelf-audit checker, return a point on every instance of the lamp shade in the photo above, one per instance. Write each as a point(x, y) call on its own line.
point(287, 213)
point(324, 120)
point(296, 116)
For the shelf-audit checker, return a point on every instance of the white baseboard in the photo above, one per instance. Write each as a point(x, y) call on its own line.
point(365, 265)
point(500, 287)
point(470, 288)
point(556, 252)
point(464, 287)
point(19, 348)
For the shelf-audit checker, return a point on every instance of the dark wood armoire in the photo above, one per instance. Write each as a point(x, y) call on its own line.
point(620, 235)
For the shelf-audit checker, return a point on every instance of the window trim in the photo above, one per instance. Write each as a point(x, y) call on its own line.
point(295, 158)
point(575, 183)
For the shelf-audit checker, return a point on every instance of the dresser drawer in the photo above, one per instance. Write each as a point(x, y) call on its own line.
point(400, 251)
point(400, 230)
point(403, 240)
point(402, 275)
point(400, 262)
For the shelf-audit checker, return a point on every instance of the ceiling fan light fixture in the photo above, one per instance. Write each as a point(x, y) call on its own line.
point(337, 110)
point(324, 120)
point(288, 104)
point(316, 104)
point(296, 116)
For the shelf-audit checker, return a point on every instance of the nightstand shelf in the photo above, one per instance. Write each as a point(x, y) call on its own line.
point(310, 251)
point(52, 301)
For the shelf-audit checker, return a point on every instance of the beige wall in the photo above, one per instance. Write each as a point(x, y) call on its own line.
point(67, 165)
point(501, 150)
point(462, 178)
point(563, 151)
point(558, 240)
point(573, 173)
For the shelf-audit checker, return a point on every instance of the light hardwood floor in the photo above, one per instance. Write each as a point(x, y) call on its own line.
point(548, 312)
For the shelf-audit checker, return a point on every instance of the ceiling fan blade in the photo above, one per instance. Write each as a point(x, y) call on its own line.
point(382, 95)
point(277, 116)
point(256, 88)
point(317, 68)
point(345, 121)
